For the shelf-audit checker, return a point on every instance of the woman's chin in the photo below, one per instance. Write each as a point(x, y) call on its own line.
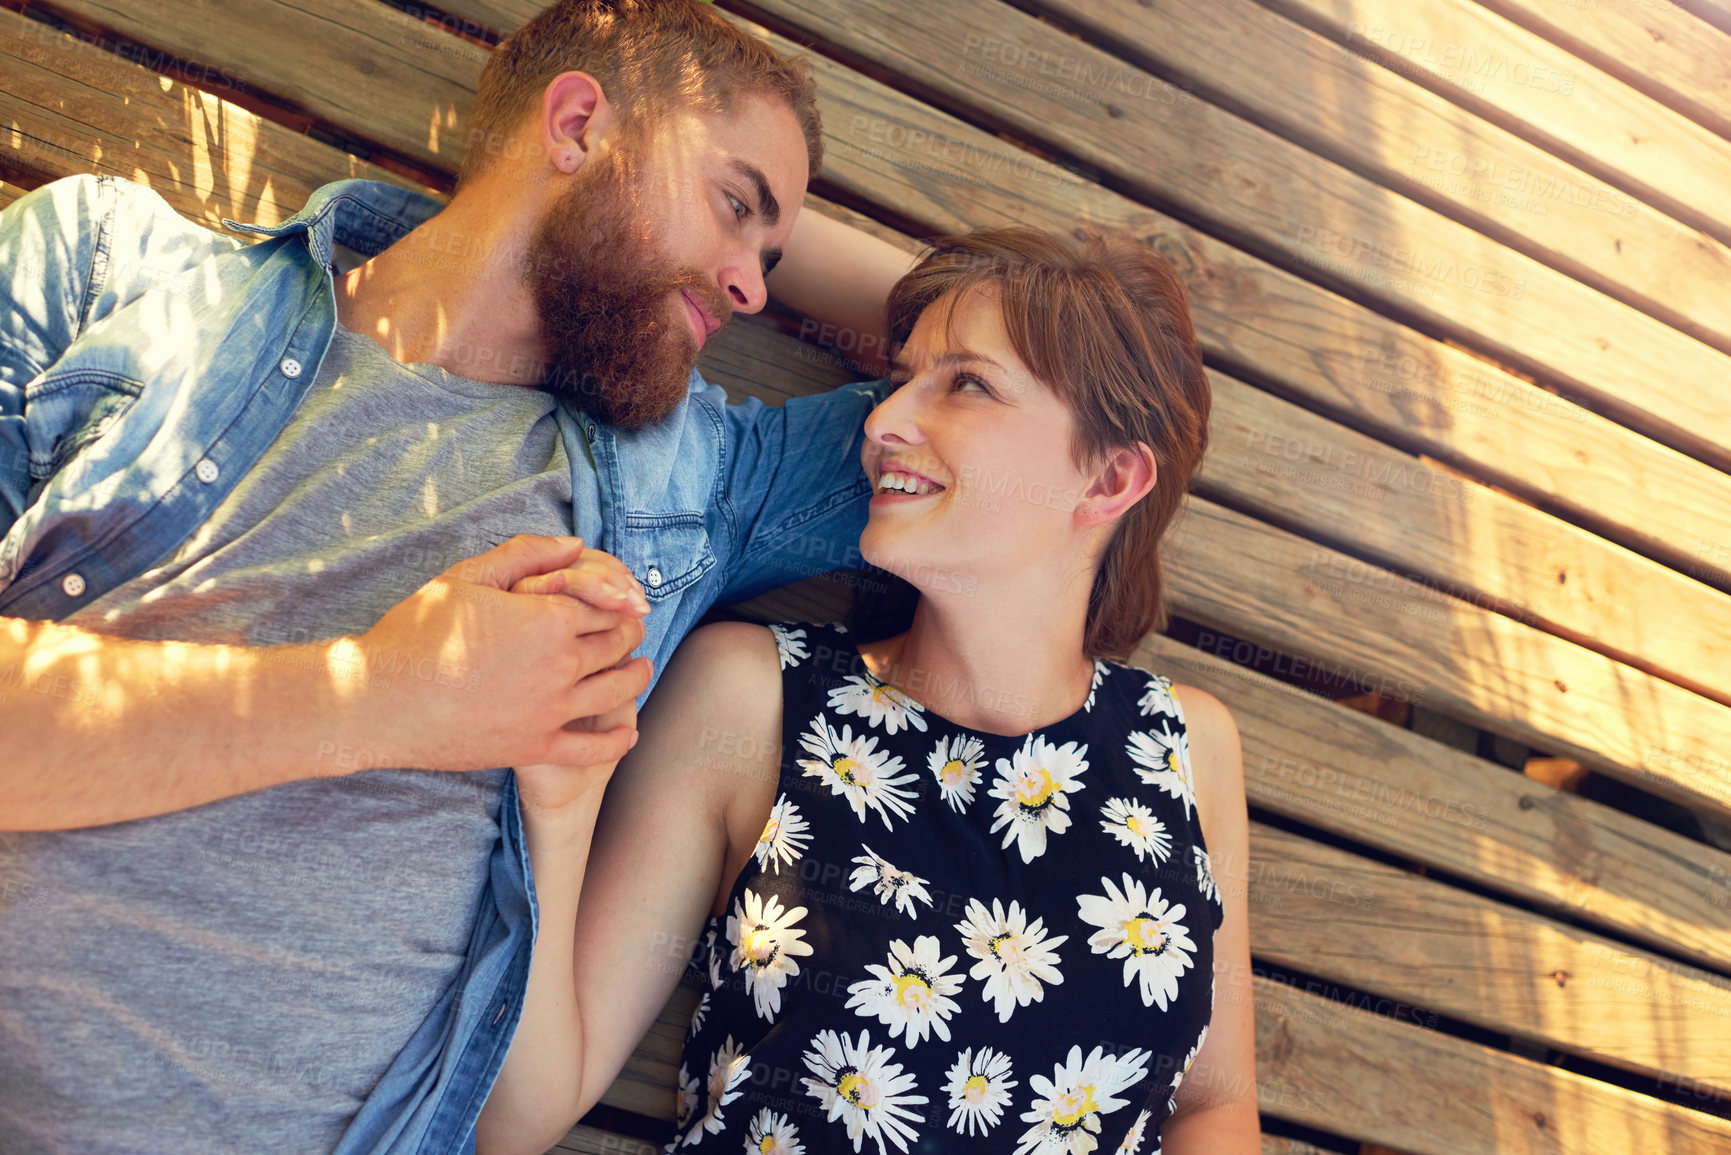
point(882, 547)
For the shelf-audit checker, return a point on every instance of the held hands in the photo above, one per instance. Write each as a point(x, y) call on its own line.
point(609, 595)
point(489, 663)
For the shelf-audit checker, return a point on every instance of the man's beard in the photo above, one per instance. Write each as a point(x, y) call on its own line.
point(613, 328)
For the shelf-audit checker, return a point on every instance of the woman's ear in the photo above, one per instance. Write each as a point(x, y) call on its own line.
point(1122, 480)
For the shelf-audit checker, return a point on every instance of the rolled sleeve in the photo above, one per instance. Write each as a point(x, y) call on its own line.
point(795, 487)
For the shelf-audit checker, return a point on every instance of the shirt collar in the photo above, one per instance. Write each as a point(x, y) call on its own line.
point(365, 215)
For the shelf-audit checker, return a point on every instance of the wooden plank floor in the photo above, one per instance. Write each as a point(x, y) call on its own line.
point(1469, 450)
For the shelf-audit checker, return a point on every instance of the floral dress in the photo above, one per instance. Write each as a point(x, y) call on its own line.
point(950, 940)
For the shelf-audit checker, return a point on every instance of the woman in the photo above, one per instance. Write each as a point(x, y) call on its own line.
point(948, 878)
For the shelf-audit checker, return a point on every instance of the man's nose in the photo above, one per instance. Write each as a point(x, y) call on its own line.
point(743, 284)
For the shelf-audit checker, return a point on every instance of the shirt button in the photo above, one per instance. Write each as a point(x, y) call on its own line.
point(653, 577)
point(73, 584)
point(206, 471)
point(290, 367)
point(589, 431)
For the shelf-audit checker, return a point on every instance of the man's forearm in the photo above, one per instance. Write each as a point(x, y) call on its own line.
point(840, 276)
point(100, 729)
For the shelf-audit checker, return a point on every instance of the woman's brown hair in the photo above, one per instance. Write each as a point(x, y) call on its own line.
point(1105, 324)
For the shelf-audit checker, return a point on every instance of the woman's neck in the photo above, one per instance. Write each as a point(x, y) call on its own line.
point(988, 665)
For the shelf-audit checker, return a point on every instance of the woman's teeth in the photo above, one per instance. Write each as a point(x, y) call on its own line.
point(905, 483)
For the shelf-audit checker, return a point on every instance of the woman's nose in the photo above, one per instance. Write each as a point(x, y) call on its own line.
point(896, 419)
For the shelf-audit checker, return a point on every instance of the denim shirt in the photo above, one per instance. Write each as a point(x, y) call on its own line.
point(146, 363)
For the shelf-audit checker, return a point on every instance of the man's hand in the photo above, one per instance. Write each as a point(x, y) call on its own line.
point(601, 582)
point(513, 647)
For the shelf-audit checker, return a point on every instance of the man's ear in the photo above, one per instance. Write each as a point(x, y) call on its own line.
point(575, 113)
point(1122, 480)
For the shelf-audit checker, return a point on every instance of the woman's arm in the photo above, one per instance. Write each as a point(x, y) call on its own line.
point(1216, 1112)
point(672, 825)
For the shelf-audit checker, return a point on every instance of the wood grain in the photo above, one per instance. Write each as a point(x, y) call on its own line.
point(1277, 199)
point(68, 107)
point(1433, 949)
point(927, 167)
point(1377, 122)
point(1415, 516)
point(1501, 72)
point(359, 64)
point(1266, 585)
point(1353, 1072)
point(1660, 49)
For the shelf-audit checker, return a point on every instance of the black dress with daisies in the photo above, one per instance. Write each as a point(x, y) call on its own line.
point(950, 940)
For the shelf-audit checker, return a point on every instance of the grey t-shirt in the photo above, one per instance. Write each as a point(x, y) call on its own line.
point(237, 977)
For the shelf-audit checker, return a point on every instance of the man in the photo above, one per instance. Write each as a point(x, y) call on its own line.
point(238, 491)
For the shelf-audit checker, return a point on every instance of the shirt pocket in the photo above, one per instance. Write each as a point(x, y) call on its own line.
point(666, 552)
point(67, 408)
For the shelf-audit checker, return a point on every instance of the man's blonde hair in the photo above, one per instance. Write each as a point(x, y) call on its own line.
point(650, 56)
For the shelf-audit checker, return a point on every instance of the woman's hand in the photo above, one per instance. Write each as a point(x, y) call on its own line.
point(612, 599)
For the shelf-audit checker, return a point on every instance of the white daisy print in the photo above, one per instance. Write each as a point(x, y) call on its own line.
point(860, 1084)
point(889, 883)
point(879, 703)
point(1134, 825)
point(854, 768)
point(1163, 760)
point(1014, 956)
point(784, 836)
point(979, 1089)
point(1067, 1107)
point(1099, 676)
point(764, 943)
point(1205, 873)
point(1184, 1069)
point(1034, 785)
point(1158, 698)
point(789, 645)
point(689, 1097)
point(697, 1016)
point(1140, 928)
point(714, 961)
point(1133, 1138)
point(773, 1134)
point(728, 1068)
point(955, 762)
point(912, 993)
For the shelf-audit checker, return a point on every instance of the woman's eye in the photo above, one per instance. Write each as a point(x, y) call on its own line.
point(965, 379)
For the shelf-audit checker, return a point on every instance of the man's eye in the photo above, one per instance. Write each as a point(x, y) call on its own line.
point(740, 209)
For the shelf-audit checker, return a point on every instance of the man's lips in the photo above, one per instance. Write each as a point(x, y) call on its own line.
point(702, 323)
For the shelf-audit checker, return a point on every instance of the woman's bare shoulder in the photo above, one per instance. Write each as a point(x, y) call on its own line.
point(726, 665)
point(1216, 756)
point(717, 713)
